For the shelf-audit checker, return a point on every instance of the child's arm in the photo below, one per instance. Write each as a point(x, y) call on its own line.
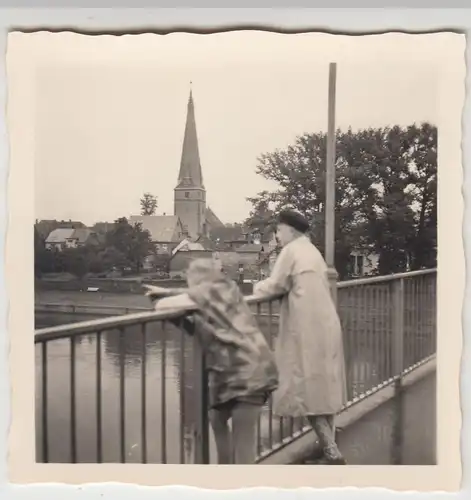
point(158, 292)
point(181, 302)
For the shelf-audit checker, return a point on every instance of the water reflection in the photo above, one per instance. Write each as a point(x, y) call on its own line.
point(169, 388)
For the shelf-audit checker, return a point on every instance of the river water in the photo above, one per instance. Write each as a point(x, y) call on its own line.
point(169, 389)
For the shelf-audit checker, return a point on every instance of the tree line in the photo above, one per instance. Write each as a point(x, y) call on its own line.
point(385, 196)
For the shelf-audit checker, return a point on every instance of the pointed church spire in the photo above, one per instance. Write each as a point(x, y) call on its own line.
point(190, 167)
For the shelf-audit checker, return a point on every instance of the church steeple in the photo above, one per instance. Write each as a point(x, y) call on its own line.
point(190, 174)
point(190, 194)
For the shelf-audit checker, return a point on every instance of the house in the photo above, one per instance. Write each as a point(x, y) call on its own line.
point(63, 238)
point(187, 245)
point(232, 237)
point(46, 226)
point(363, 263)
point(166, 231)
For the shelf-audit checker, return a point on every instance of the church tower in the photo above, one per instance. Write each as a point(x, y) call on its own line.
point(190, 194)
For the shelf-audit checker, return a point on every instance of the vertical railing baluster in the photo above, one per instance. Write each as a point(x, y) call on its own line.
point(143, 393)
point(388, 332)
point(122, 395)
point(345, 298)
point(354, 351)
point(375, 340)
point(423, 306)
point(163, 401)
point(99, 450)
point(73, 413)
point(397, 322)
point(201, 404)
point(259, 419)
point(366, 365)
point(271, 342)
point(182, 396)
point(417, 318)
point(44, 397)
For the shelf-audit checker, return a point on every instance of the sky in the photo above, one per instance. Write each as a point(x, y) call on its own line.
point(110, 110)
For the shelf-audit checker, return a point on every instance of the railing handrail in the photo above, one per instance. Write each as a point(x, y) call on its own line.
point(113, 322)
point(385, 278)
point(92, 306)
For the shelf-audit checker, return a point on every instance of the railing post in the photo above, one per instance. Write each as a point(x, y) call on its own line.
point(201, 404)
point(332, 276)
point(397, 311)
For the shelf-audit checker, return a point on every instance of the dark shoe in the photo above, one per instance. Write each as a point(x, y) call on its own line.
point(330, 461)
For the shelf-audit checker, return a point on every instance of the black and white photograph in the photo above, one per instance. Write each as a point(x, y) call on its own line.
point(235, 248)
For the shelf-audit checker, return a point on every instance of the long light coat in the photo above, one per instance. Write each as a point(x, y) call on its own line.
point(309, 347)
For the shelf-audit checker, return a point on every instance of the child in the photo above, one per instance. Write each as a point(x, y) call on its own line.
point(241, 368)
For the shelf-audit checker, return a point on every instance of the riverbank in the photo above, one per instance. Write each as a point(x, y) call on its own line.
point(106, 299)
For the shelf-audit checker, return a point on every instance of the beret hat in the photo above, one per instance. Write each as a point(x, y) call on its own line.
point(294, 219)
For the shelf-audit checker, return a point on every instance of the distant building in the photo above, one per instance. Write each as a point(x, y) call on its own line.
point(363, 263)
point(45, 227)
point(63, 238)
point(166, 231)
point(190, 194)
point(233, 237)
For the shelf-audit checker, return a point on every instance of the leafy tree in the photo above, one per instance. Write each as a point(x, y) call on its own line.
point(77, 261)
point(131, 241)
point(148, 204)
point(385, 193)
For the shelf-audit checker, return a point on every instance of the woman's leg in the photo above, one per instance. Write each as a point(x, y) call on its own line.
point(220, 424)
point(324, 427)
point(244, 432)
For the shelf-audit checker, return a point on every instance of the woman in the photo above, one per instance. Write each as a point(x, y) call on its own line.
point(309, 347)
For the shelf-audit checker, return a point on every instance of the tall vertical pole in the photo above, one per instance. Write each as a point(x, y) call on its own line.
point(330, 184)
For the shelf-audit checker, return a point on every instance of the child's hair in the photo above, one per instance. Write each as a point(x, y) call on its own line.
point(203, 270)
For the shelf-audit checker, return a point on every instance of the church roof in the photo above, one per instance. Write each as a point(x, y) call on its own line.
point(190, 174)
point(161, 227)
point(212, 219)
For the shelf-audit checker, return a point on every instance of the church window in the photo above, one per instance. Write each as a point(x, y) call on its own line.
point(187, 194)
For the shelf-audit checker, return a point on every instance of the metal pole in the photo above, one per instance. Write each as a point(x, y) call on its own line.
point(330, 184)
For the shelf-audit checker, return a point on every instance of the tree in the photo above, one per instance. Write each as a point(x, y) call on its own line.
point(131, 241)
point(385, 193)
point(148, 204)
point(77, 261)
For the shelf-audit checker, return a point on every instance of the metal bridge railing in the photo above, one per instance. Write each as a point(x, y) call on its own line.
point(158, 401)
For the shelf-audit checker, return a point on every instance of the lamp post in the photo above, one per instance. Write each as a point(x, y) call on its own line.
point(330, 184)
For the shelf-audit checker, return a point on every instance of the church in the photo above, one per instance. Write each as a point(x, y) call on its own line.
point(190, 194)
point(192, 218)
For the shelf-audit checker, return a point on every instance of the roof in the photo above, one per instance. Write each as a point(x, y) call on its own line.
point(187, 245)
point(205, 242)
point(82, 234)
point(250, 247)
point(190, 174)
point(161, 227)
point(60, 235)
point(225, 233)
point(213, 219)
point(45, 227)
